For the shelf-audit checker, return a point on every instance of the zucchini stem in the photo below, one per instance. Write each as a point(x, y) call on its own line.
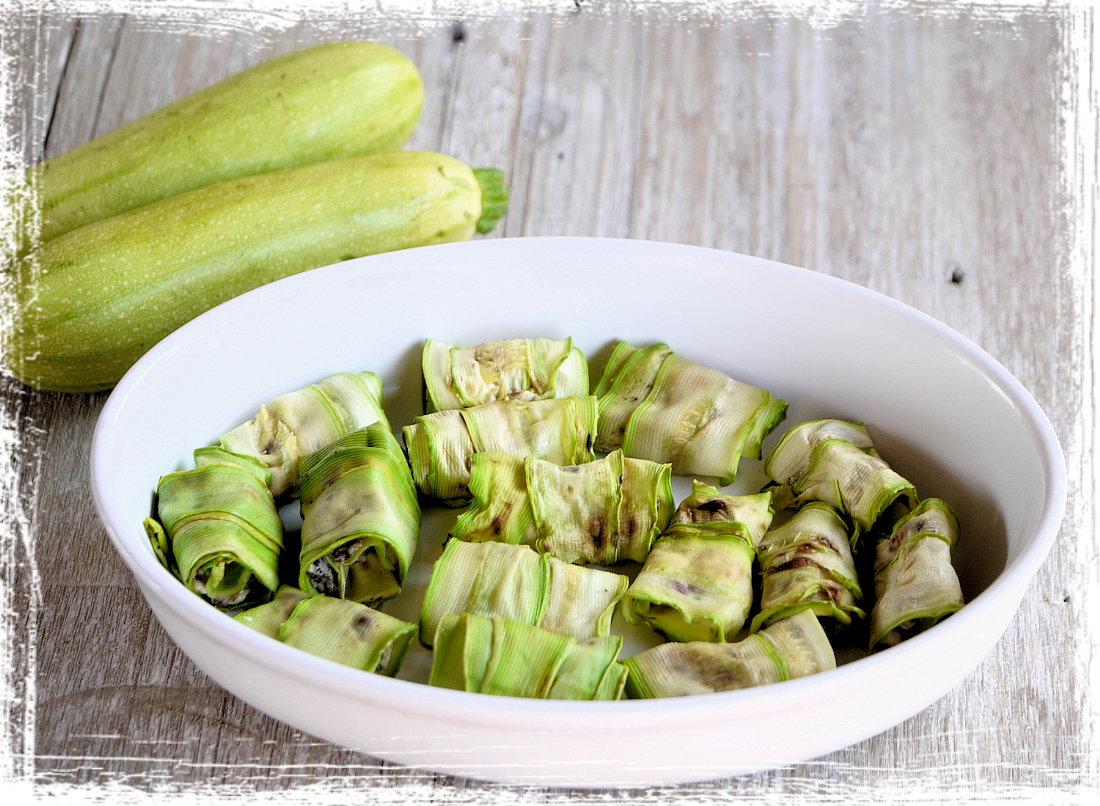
point(494, 197)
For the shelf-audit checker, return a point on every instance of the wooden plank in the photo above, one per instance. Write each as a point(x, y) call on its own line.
point(572, 169)
point(487, 91)
point(45, 504)
point(677, 182)
point(153, 717)
point(35, 39)
point(81, 84)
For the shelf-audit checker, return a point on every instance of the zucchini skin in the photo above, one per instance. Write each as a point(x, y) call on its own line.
point(328, 101)
point(89, 303)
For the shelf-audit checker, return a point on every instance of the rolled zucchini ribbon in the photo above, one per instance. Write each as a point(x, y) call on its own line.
point(516, 583)
point(496, 656)
point(792, 648)
point(339, 630)
point(915, 582)
point(218, 529)
point(696, 583)
point(835, 461)
point(603, 512)
point(304, 421)
point(360, 517)
point(559, 430)
point(807, 564)
point(509, 369)
point(267, 618)
point(656, 405)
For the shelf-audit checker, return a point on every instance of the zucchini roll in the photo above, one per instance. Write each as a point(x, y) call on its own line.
point(500, 507)
point(360, 517)
point(696, 584)
point(656, 405)
point(218, 530)
point(807, 564)
point(559, 430)
point(791, 648)
point(915, 583)
point(304, 421)
point(269, 617)
point(497, 656)
point(336, 629)
point(601, 513)
point(836, 462)
point(510, 369)
point(591, 671)
point(489, 579)
point(516, 583)
point(582, 600)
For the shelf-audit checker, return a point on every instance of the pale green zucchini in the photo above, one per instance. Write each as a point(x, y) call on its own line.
point(360, 517)
point(788, 649)
point(298, 423)
point(806, 563)
point(328, 101)
point(217, 528)
point(496, 656)
point(440, 444)
point(835, 461)
point(916, 585)
point(696, 582)
point(603, 512)
point(339, 630)
point(659, 406)
point(89, 303)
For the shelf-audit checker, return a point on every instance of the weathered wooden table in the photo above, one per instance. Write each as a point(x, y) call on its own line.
point(939, 154)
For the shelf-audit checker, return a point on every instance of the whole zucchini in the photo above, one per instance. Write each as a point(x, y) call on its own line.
point(89, 303)
point(324, 102)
